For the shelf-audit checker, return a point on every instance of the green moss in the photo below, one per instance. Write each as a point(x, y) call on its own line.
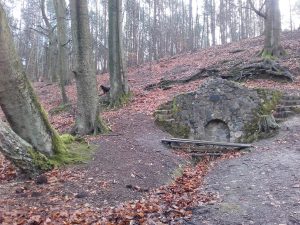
point(175, 108)
point(174, 128)
point(270, 100)
point(77, 153)
point(267, 55)
point(57, 144)
point(104, 129)
point(67, 138)
point(121, 100)
point(40, 160)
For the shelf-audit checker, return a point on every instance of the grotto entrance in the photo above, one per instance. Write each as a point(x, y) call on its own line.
point(217, 130)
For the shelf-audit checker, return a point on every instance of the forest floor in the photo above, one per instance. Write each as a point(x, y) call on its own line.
point(134, 179)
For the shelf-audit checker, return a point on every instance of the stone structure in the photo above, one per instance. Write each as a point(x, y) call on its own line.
point(219, 110)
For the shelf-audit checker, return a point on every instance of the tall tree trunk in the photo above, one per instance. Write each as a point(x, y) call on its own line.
point(63, 64)
point(272, 18)
point(87, 118)
point(118, 78)
point(18, 101)
point(272, 44)
point(52, 39)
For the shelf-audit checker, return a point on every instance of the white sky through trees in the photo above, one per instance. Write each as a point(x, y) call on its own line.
point(284, 7)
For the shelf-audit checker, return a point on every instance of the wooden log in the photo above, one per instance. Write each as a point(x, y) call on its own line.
point(202, 142)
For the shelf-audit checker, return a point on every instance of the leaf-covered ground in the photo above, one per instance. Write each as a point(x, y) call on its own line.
point(130, 163)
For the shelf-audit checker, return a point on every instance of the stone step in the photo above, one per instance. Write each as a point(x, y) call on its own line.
point(163, 111)
point(290, 97)
point(289, 102)
point(280, 120)
point(281, 108)
point(168, 106)
point(163, 117)
point(284, 114)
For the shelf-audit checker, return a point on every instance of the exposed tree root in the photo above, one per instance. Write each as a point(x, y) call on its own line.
point(21, 153)
point(267, 124)
point(167, 84)
point(266, 68)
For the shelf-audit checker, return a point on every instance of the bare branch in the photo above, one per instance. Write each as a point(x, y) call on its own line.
point(258, 11)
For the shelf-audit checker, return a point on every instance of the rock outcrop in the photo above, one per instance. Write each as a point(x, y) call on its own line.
point(220, 110)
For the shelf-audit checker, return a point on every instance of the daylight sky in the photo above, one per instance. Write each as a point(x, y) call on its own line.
point(284, 6)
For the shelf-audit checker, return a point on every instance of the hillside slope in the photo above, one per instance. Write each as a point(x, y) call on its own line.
point(131, 160)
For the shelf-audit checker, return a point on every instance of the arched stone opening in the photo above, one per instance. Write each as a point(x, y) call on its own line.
point(217, 130)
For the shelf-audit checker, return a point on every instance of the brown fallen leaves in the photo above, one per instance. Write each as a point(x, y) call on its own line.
point(7, 170)
point(166, 205)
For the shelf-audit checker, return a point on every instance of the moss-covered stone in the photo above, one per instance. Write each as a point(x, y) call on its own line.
point(270, 99)
point(174, 128)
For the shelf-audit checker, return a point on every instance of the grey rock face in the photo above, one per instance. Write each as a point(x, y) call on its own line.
point(218, 110)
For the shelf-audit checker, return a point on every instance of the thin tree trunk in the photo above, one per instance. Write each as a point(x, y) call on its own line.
point(118, 79)
point(63, 65)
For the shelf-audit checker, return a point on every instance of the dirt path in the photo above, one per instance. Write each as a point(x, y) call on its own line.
point(130, 158)
point(124, 167)
point(262, 187)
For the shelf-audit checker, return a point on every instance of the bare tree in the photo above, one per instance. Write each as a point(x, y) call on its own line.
point(63, 63)
point(87, 118)
point(272, 17)
point(118, 78)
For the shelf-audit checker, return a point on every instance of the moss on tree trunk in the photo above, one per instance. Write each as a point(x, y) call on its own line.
point(119, 92)
point(18, 100)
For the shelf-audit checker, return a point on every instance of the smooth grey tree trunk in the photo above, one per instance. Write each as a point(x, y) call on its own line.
point(87, 118)
point(63, 63)
point(272, 18)
point(18, 151)
point(118, 78)
point(52, 51)
point(18, 101)
point(272, 46)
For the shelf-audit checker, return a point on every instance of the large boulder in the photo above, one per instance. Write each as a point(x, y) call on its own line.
point(220, 110)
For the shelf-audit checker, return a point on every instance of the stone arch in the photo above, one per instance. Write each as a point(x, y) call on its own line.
point(217, 130)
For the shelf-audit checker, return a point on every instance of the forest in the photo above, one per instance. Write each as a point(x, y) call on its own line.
point(149, 112)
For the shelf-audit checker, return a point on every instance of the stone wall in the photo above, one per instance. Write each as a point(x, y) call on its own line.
point(219, 110)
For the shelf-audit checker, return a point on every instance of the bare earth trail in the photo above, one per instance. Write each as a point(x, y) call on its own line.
point(261, 188)
point(132, 161)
